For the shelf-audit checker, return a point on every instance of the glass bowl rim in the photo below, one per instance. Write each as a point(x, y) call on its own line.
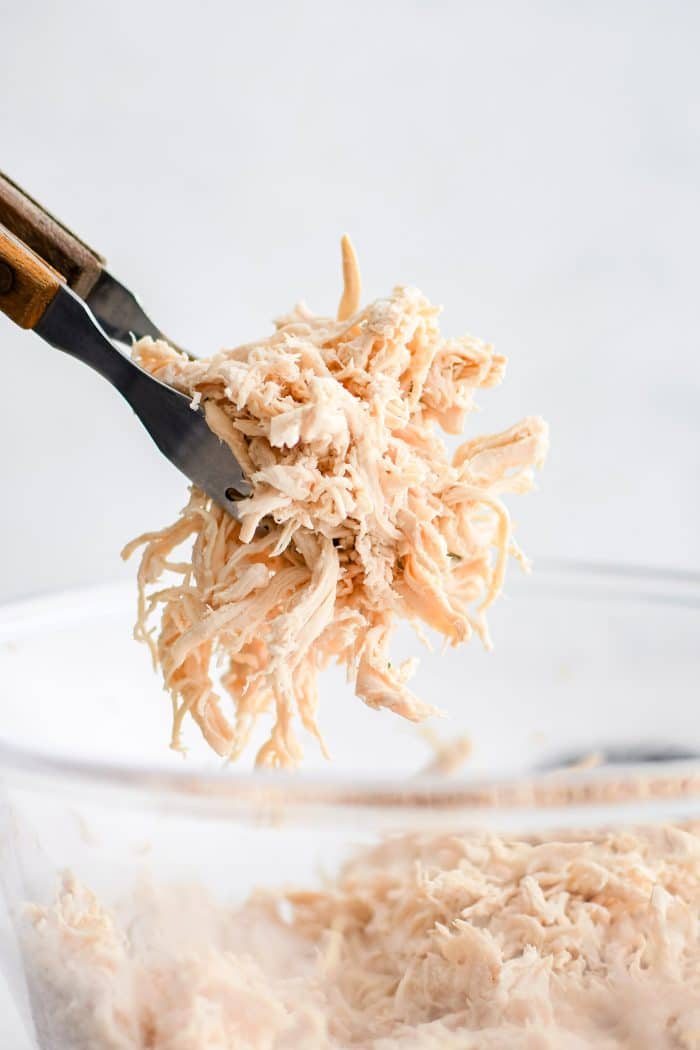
point(633, 783)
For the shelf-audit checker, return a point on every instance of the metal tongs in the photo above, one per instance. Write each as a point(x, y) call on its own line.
point(53, 283)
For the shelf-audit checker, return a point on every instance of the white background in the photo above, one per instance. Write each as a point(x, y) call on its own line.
point(533, 166)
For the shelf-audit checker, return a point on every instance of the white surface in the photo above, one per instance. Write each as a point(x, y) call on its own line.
point(533, 166)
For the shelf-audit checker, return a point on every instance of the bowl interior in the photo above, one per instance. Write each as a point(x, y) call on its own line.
point(585, 660)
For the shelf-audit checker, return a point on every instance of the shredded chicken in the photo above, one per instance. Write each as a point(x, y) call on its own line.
point(358, 515)
point(424, 942)
point(448, 755)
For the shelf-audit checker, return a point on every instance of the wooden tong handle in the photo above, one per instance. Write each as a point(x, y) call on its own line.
point(27, 284)
point(49, 238)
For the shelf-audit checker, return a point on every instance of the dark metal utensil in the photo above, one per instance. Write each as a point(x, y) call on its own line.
point(35, 294)
point(116, 308)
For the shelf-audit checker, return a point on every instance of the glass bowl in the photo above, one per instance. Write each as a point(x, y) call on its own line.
point(584, 713)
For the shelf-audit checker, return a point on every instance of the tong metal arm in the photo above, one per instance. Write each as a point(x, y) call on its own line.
point(51, 282)
point(85, 271)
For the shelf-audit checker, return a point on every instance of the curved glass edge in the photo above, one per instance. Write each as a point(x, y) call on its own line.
point(677, 779)
point(669, 787)
point(643, 583)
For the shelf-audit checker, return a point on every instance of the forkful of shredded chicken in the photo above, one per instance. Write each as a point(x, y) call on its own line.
point(357, 516)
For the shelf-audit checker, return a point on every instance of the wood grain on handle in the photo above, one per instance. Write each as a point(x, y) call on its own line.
point(49, 238)
point(27, 283)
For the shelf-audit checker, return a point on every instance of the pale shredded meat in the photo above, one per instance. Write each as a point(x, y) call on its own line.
point(357, 515)
point(425, 942)
point(448, 755)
